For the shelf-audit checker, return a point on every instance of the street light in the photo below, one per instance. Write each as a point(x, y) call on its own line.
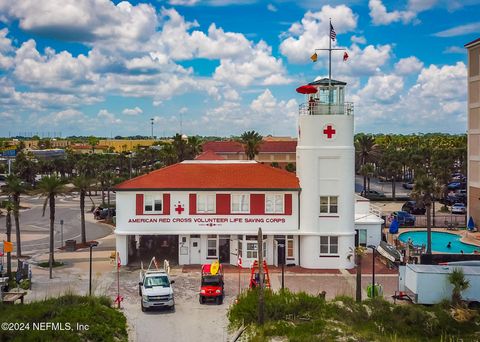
point(91, 245)
point(152, 119)
point(374, 248)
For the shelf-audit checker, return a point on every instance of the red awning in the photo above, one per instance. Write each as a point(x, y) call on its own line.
point(307, 89)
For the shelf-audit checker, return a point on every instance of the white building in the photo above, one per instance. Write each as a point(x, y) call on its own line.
point(202, 210)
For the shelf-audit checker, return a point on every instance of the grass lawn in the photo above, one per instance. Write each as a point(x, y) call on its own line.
point(104, 322)
point(302, 317)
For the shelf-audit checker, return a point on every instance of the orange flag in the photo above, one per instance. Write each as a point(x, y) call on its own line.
point(7, 247)
point(314, 57)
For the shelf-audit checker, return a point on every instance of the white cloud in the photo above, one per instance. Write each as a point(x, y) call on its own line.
point(183, 110)
point(408, 65)
point(380, 15)
point(132, 111)
point(107, 117)
point(183, 2)
point(361, 62)
point(272, 8)
point(383, 88)
point(435, 103)
point(421, 5)
point(358, 39)
point(459, 30)
point(86, 20)
point(454, 49)
point(64, 118)
point(443, 83)
point(313, 32)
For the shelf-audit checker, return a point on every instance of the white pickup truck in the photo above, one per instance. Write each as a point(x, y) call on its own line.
point(155, 288)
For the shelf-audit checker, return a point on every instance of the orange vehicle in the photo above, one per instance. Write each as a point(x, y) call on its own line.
point(212, 283)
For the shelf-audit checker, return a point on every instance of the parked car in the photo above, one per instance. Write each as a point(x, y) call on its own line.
point(412, 208)
point(103, 213)
point(404, 218)
point(456, 185)
point(459, 208)
point(373, 194)
point(408, 186)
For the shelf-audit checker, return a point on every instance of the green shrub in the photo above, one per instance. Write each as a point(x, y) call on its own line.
point(104, 322)
point(302, 317)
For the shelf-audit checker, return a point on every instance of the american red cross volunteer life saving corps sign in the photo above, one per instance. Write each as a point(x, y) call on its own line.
point(210, 221)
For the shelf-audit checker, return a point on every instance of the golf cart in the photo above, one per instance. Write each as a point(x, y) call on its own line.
point(212, 283)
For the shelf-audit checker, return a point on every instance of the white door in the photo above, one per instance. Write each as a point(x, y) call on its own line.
point(275, 253)
point(233, 251)
point(195, 251)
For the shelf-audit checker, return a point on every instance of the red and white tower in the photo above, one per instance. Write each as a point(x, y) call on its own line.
point(326, 170)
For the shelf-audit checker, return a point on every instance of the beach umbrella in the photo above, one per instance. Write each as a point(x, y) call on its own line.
point(471, 224)
point(307, 89)
point(394, 226)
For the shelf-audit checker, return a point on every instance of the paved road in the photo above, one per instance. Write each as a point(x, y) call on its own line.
point(385, 187)
point(35, 227)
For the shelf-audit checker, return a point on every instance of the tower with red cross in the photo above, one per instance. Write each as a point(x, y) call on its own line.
point(326, 170)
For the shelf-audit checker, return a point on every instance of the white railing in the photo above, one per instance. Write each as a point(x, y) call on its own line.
point(319, 108)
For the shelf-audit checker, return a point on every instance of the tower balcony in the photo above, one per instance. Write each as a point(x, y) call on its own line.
point(320, 108)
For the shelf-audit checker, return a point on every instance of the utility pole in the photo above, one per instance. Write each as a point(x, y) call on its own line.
point(261, 297)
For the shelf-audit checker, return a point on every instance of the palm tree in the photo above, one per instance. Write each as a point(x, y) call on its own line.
point(365, 149)
point(82, 184)
point(8, 220)
point(457, 279)
point(423, 191)
point(251, 141)
point(14, 187)
point(366, 171)
point(50, 187)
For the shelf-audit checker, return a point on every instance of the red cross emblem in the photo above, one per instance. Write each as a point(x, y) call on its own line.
point(329, 131)
point(179, 208)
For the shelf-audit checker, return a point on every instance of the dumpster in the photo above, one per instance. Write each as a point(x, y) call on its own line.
point(70, 245)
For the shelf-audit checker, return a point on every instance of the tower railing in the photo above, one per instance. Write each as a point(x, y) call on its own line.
point(319, 108)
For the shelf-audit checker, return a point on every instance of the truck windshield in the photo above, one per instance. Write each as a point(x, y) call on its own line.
point(157, 281)
point(211, 281)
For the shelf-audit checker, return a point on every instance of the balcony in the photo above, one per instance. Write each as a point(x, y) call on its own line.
point(319, 108)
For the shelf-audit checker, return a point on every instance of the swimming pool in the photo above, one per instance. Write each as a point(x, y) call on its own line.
point(439, 241)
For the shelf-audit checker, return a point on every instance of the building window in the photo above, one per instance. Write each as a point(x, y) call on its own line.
point(252, 249)
point(274, 203)
point(290, 247)
point(328, 204)
point(212, 243)
point(153, 204)
point(206, 203)
point(329, 245)
point(241, 204)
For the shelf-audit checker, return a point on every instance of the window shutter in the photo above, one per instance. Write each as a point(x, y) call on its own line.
point(166, 204)
point(139, 204)
point(288, 204)
point(192, 207)
point(257, 204)
point(223, 203)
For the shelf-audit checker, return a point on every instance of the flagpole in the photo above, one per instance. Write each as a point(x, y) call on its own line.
point(329, 54)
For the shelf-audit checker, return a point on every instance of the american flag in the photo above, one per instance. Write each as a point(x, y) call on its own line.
point(333, 34)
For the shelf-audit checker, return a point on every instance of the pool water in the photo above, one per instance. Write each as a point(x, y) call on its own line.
point(439, 241)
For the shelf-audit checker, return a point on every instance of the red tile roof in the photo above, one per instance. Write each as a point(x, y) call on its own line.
point(223, 146)
point(237, 147)
point(214, 175)
point(209, 155)
point(278, 147)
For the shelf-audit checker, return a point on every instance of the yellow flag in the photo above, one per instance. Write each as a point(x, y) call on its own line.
point(7, 247)
point(314, 57)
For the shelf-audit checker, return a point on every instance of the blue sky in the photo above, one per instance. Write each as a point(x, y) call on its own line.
point(220, 67)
